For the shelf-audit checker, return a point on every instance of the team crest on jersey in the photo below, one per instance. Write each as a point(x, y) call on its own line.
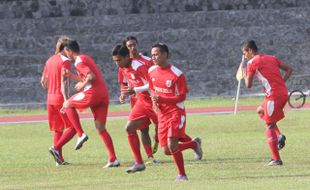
point(168, 83)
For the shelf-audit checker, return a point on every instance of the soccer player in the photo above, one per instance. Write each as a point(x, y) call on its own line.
point(169, 89)
point(136, 74)
point(267, 69)
point(56, 85)
point(92, 93)
point(131, 43)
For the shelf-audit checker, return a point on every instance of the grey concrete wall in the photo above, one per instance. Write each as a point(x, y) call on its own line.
point(204, 38)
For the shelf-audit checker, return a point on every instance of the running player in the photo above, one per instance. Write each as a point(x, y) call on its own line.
point(169, 89)
point(131, 43)
point(267, 69)
point(92, 93)
point(136, 74)
point(56, 85)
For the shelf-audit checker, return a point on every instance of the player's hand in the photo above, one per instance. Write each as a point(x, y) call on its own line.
point(122, 98)
point(79, 86)
point(65, 72)
point(128, 91)
point(155, 102)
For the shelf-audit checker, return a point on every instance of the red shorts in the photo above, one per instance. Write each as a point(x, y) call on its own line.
point(273, 109)
point(56, 120)
point(171, 125)
point(98, 104)
point(142, 109)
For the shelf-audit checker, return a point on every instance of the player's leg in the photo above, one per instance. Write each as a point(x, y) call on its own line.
point(100, 112)
point(273, 145)
point(146, 139)
point(153, 117)
point(273, 112)
point(173, 145)
point(131, 129)
point(281, 137)
point(79, 101)
point(56, 125)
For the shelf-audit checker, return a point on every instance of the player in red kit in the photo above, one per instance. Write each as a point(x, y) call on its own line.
point(136, 74)
point(169, 90)
point(131, 43)
point(56, 85)
point(267, 69)
point(92, 93)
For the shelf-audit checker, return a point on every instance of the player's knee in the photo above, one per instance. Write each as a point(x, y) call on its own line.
point(129, 129)
point(260, 110)
point(271, 125)
point(166, 150)
point(100, 126)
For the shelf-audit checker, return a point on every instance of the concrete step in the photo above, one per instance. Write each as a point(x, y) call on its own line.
point(107, 25)
point(59, 8)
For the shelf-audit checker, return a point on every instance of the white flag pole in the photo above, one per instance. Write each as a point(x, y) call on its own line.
point(238, 89)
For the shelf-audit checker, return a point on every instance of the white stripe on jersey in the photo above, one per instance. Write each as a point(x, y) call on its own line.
point(182, 122)
point(264, 82)
point(176, 71)
point(64, 58)
point(152, 68)
point(77, 61)
point(136, 64)
point(270, 107)
point(145, 57)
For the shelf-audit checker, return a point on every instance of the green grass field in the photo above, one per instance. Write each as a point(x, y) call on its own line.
point(235, 152)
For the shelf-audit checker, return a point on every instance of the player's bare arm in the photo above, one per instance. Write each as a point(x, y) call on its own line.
point(88, 79)
point(288, 71)
point(44, 82)
point(248, 80)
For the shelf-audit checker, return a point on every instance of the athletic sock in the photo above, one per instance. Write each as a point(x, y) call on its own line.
point(178, 160)
point(66, 137)
point(106, 138)
point(148, 150)
point(57, 136)
point(186, 145)
point(135, 146)
point(277, 130)
point(75, 120)
point(273, 143)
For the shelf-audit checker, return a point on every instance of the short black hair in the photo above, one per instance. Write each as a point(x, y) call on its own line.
point(120, 50)
point(162, 47)
point(72, 45)
point(129, 38)
point(250, 45)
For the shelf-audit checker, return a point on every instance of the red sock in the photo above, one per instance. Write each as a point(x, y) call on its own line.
point(277, 131)
point(186, 145)
point(106, 138)
point(75, 120)
point(186, 138)
point(57, 136)
point(178, 160)
point(66, 137)
point(135, 146)
point(148, 150)
point(273, 143)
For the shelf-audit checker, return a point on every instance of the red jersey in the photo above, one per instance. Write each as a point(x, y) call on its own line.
point(53, 71)
point(168, 82)
point(266, 69)
point(137, 75)
point(147, 61)
point(85, 64)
